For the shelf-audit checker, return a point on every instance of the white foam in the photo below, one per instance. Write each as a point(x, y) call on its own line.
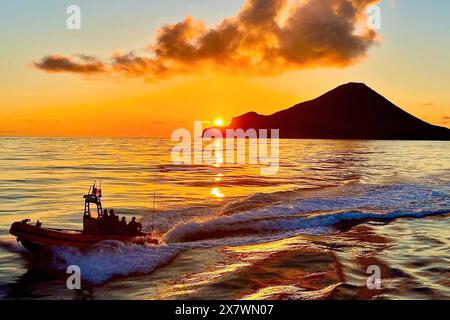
point(113, 258)
point(376, 203)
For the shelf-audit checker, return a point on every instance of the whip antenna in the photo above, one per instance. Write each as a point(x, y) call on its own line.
point(153, 214)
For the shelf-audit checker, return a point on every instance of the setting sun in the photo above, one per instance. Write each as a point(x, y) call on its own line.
point(218, 122)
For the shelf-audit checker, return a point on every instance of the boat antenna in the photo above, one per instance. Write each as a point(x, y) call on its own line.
point(153, 214)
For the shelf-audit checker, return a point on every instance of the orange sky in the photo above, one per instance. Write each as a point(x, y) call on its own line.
point(36, 103)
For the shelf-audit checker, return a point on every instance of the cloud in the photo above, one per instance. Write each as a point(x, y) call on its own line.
point(266, 37)
point(75, 64)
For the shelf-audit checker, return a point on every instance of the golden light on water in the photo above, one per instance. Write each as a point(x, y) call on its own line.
point(216, 192)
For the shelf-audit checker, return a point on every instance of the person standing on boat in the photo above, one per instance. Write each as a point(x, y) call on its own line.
point(116, 224)
point(113, 222)
point(103, 221)
point(134, 227)
point(123, 225)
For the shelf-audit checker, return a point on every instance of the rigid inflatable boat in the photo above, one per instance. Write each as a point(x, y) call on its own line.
point(34, 237)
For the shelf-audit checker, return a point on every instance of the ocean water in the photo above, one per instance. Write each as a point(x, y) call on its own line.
point(227, 232)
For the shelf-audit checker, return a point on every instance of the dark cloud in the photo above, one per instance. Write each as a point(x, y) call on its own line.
point(266, 37)
point(75, 64)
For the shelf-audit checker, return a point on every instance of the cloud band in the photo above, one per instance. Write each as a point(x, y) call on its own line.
point(266, 37)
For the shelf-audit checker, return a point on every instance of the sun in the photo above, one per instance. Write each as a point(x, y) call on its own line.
point(218, 122)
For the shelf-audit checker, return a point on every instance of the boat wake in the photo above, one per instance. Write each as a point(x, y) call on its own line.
point(108, 259)
point(317, 214)
point(255, 219)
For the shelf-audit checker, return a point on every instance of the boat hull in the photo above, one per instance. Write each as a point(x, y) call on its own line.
point(34, 239)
